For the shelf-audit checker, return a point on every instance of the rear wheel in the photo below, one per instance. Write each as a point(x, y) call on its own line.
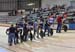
point(65, 28)
point(51, 32)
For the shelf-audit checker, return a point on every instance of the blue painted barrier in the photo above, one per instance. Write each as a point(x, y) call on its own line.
point(72, 26)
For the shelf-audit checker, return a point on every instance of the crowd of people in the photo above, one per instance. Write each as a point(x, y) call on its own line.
point(23, 32)
point(32, 30)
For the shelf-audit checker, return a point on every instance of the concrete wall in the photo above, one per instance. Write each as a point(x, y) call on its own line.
point(3, 13)
point(45, 3)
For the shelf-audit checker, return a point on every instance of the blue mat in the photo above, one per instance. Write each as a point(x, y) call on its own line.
point(3, 50)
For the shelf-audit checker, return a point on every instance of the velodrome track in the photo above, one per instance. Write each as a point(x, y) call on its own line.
point(59, 42)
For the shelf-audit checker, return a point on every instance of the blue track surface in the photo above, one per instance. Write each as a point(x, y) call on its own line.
point(3, 50)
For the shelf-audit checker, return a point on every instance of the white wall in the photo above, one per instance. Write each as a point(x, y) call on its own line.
point(53, 2)
point(3, 13)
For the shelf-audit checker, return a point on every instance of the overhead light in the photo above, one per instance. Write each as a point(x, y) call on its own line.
point(30, 4)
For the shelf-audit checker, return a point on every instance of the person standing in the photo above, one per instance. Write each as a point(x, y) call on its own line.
point(17, 33)
point(35, 25)
point(11, 35)
point(38, 28)
point(51, 23)
point(46, 28)
point(25, 32)
point(59, 24)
